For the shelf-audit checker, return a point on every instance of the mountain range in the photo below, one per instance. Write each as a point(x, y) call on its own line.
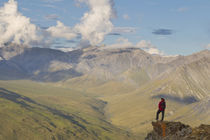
point(124, 84)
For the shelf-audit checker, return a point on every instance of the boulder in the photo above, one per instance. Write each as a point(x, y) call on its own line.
point(178, 131)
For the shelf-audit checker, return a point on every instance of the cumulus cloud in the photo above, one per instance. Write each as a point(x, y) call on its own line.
point(16, 28)
point(148, 47)
point(120, 43)
point(96, 23)
point(143, 44)
point(62, 31)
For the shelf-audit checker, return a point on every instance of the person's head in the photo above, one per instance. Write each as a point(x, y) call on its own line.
point(162, 99)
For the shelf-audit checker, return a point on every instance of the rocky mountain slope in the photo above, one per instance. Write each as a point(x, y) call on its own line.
point(178, 131)
point(93, 61)
point(185, 88)
point(45, 64)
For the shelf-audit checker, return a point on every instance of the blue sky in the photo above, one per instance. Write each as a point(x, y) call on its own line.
point(172, 26)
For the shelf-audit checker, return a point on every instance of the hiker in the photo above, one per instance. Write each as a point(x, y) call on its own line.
point(161, 108)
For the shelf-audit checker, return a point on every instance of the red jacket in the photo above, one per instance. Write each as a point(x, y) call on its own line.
point(162, 105)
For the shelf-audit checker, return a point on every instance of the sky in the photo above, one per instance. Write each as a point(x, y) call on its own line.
point(165, 27)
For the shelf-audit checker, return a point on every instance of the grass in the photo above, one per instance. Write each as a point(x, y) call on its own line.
point(32, 110)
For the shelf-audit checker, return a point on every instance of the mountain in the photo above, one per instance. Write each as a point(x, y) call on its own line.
point(43, 64)
point(10, 50)
point(122, 86)
point(185, 88)
point(192, 79)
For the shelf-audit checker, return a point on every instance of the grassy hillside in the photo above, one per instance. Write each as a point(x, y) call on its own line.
point(185, 89)
point(32, 110)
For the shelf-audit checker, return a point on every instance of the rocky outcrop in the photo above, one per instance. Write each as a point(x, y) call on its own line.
point(178, 131)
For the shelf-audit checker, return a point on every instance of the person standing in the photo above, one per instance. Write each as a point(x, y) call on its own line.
point(161, 108)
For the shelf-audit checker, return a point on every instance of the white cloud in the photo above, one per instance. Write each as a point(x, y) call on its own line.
point(16, 28)
point(143, 44)
point(120, 43)
point(96, 23)
point(208, 46)
point(65, 49)
point(154, 51)
point(148, 47)
point(62, 31)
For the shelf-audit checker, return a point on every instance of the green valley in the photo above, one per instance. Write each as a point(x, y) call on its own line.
point(31, 110)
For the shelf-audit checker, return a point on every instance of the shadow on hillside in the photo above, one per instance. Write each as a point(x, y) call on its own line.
point(185, 100)
point(16, 98)
point(10, 71)
point(30, 104)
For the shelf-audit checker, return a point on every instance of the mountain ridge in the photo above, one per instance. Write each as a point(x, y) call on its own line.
point(93, 61)
point(128, 80)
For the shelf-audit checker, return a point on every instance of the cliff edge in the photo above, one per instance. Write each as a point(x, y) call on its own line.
point(178, 131)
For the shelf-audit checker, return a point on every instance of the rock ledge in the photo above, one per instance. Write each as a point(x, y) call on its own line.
point(178, 131)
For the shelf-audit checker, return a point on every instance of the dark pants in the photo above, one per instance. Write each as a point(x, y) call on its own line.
point(157, 115)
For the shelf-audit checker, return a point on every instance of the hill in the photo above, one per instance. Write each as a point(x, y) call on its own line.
point(52, 113)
